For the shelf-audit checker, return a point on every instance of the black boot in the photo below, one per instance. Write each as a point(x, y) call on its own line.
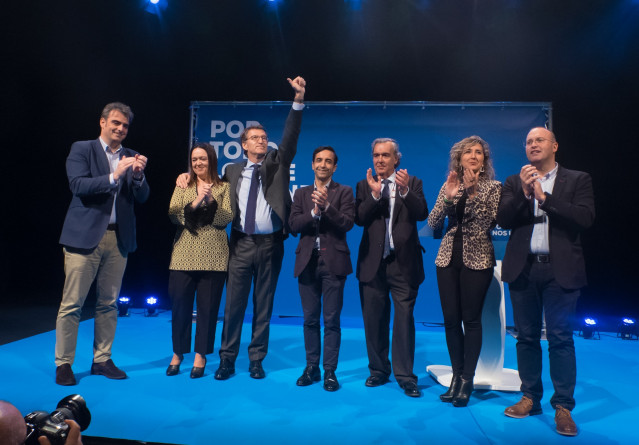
point(452, 389)
point(463, 393)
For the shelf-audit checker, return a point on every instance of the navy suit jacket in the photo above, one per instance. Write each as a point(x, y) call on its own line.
point(90, 209)
point(408, 251)
point(333, 225)
point(570, 209)
point(274, 173)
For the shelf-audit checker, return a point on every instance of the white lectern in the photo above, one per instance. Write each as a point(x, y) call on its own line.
point(490, 373)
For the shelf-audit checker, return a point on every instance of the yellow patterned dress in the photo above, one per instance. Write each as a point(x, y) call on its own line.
point(207, 247)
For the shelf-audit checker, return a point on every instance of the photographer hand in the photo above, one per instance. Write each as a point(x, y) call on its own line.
point(73, 438)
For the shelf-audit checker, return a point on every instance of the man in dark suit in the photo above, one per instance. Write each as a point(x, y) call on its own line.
point(388, 207)
point(322, 213)
point(98, 234)
point(547, 207)
point(261, 203)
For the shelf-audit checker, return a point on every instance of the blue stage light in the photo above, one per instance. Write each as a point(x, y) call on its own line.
point(155, 6)
point(151, 304)
point(589, 329)
point(627, 329)
point(123, 306)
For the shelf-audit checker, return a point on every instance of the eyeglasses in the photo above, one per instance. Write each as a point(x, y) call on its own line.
point(537, 141)
point(256, 138)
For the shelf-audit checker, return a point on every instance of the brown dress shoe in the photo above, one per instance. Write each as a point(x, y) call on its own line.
point(565, 425)
point(64, 375)
point(524, 408)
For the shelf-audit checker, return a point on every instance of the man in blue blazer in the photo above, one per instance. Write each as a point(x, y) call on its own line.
point(98, 233)
point(322, 213)
point(547, 207)
point(388, 206)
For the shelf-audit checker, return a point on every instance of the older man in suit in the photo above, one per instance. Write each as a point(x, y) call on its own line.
point(98, 234)
point(261, 203)
point(388, 206)
point(547, 207)
point(322, 213)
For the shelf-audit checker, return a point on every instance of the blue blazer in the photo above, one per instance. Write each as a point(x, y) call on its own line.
point(90, 209)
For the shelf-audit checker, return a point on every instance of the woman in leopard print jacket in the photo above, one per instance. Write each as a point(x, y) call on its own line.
point(469, 198)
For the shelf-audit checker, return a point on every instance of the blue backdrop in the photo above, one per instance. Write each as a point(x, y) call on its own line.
point(425, 132)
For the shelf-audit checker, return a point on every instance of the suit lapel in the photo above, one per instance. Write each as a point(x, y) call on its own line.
point(399, 203)
point(101, 157)
point(560, 182)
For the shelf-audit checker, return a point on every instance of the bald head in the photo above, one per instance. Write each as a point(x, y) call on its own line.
point(13, 430)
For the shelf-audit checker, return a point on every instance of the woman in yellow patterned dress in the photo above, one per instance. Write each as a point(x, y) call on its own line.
point(200, 257)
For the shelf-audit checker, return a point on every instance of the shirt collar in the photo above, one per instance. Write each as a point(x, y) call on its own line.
point(551, 174)
point(328, 184)
point(391, 178)
point(105, 146)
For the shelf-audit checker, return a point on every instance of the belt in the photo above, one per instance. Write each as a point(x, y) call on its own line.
point(539, 258)
point(112, 227)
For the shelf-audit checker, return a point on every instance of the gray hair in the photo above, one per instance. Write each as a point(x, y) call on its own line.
point(457, 150)
point(393, 142)
point(118, 106)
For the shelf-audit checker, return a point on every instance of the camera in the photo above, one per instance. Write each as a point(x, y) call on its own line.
point(52, 426)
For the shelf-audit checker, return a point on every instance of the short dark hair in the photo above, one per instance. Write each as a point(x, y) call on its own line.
point(210, 153)
point(118, 106)
point(322, 148)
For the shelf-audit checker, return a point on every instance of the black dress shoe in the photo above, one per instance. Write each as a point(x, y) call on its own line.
point(311, 374)
point(330, 381)
point(174, 369)
point(376, 380)
point(64, 375)
point(198, 371)
point(410, 389)
point(226, 370)
point(462, 396)
point(108, 369)
point(452, 389)
point(255, 370)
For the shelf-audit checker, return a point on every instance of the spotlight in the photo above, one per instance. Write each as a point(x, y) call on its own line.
point(627, 329)
point(150, 306)
point(589, 329)
point(155, 7)
point(123, 306)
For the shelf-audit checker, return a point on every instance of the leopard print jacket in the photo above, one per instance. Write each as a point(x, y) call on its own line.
point(479, 219)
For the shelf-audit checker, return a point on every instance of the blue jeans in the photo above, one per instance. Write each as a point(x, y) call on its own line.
point(535, 294)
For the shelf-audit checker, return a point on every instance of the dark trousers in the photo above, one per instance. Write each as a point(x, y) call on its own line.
point(184, 286)
point(376, 309)
point(462, 292)
point(535, 293)
point(257, 260)
point(314, 282)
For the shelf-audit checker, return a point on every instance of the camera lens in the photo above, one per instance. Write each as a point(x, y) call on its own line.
point(73, 407)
